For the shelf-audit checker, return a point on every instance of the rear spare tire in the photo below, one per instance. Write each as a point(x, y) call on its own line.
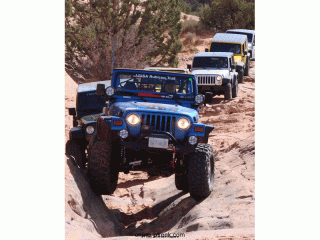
point(201, 171)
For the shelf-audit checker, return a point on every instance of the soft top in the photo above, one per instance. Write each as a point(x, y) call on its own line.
point(242, 30)
point(214, 54)
point(165, 69)
point(92, 86)
point(227, 37)
point(151, 71)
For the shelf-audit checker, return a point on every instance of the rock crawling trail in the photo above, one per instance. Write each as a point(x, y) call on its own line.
point(143, 205)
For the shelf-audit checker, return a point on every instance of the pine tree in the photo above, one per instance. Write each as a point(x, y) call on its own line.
point(146, 33)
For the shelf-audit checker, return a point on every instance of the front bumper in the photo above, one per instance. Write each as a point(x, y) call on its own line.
point(142, 143)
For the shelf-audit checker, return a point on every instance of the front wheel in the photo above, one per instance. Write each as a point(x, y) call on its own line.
point(201, 171)
point(240, 76)
point(246, 71)
point(102, 171)
point(228, 92)
point(235, 89)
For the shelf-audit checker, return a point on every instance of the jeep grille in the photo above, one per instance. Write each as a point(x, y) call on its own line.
point(159, 122)
point(206, 80)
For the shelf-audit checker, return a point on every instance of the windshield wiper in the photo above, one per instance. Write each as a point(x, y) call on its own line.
point(175, 97)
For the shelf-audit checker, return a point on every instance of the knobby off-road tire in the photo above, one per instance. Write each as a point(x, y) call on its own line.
point(246, 71)
point(235, 89)
point(181, 181)
point(102, 171)
point(74, 150)
point(228, 92)
point(240, 75)
point(201, 172)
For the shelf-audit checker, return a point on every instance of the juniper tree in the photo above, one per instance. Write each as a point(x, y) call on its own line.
point(146, 33)
point(226, 14)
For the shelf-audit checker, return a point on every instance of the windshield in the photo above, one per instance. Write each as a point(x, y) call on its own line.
point(210, 62)
point(249, 35)
point(225, 47)
point(155, 85)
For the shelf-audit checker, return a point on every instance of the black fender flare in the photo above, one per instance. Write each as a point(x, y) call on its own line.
point(235, 76)
point(76, 133)
point(240, 66)
point(104, 128)
point(208, 130)
point(225, 81)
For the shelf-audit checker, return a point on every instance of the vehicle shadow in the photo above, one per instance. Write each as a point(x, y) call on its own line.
point(171, 213)
point(93, 206)
point(217, 100)
point(147, 213)
point(135, 182)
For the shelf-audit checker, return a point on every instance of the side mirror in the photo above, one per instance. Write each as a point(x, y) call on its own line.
point(206, 50)
point(101, 89)
point(189, 66)
point(208, 97)
point(72, 111)
point(233, 66)
point(245, 52)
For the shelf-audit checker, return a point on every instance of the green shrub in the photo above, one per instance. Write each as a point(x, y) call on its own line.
point(192, 26)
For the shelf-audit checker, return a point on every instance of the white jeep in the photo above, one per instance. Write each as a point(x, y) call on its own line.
point(215, 73)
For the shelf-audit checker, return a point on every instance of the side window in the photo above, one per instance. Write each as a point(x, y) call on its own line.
point(230, 62)
point(254, 40)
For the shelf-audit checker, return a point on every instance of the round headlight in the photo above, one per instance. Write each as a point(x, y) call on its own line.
point(199, 98)
point(193, 140)
point(133, 119)
point(183, 123)
point(110, 91)
point(90, 129)
point(219, 78)
point(123, 133)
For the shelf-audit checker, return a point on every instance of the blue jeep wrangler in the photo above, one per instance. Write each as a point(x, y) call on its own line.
point(151, 122)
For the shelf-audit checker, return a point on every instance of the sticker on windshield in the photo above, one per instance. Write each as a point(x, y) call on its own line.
point(154, 77)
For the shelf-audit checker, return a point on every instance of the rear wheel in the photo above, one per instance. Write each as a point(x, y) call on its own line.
point(77, 152)
point(228, 92)
point(201, 172)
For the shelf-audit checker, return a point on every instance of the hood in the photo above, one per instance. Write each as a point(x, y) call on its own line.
point(121, 108)
point(238, 58)
point(210, 72)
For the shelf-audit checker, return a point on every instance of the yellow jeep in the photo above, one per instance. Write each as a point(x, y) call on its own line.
point(238, 44)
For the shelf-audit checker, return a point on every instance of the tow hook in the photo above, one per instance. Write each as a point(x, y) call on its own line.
point(135, 163)
point(173, 157)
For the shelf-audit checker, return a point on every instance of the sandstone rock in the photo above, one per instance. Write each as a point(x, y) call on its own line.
point(232, 109)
